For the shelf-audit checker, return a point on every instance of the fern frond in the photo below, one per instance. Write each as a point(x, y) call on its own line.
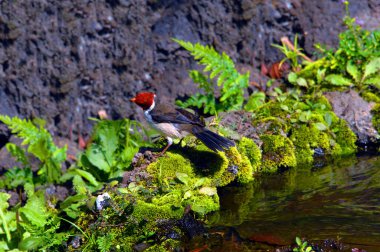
point(40, 144)
point(222, 69)
point(24, 129)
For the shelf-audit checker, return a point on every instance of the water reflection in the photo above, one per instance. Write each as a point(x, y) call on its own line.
point(339, 201)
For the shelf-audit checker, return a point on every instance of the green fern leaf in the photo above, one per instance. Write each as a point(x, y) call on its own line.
point(222, 69)
point(34, 211)
point(40, 144)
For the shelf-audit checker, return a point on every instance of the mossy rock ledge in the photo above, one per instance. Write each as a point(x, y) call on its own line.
point(188, 177)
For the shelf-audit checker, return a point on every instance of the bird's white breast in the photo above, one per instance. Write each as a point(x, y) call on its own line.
point(167, 129)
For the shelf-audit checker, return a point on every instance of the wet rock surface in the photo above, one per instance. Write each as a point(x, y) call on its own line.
point(357, 112)
point(66, 60)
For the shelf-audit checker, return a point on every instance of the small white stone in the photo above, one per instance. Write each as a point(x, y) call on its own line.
point(101, 201)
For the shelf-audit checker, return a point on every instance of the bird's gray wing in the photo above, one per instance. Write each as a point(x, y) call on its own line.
point(177, 115)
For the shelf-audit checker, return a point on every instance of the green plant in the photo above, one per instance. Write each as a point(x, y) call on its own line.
point(292, 52)
point(355, 63)
point(365, 75)
point(302, 246)
point(355, 44)
point(222, 69)
point(30, 227)
point(40, 144)
point(114, 143)
point(255, 101)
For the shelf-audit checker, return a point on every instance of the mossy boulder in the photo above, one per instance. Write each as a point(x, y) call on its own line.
point(336, 140)
point(251, 154)
point(217, 169)
point(278, 152)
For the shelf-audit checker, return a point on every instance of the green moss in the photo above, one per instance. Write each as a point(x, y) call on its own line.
point(345, 138)
point(152, 212)
point(278, 151)
point(376, 117)
point(335, 141)
point(242, 163)
point(168, 165)
point(247, 147)
point(187, 173)
point(306, 138)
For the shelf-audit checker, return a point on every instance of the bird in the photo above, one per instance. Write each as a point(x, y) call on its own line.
point(174, 122)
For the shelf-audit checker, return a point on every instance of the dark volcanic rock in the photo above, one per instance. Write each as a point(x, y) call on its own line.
point(4, 135)
point(66, 60)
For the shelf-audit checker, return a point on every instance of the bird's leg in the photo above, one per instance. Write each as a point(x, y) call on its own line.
point(170, 142)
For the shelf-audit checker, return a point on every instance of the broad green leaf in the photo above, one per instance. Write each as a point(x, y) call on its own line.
point(198, 208)
point(284, 107)
point(320, 126)
point(372, 67)
point(183, 177)
point(187, 195)
point(133, 187)
point(108, 139)
point(30, 243)
point(200, 182)
point(353, 70)
point(328, 118)
point(298, 241)
point(375, 81)
point(123, 190)
point(4, 246)
point(79, 185)
point(305, 116)
point(321, 75)
point(338, 80)
point(292, 77)
point(302, 82)
point(88, 176)
point(278, 90)
point(97, 158)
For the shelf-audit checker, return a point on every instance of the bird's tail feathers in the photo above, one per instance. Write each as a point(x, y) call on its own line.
point(212, 140)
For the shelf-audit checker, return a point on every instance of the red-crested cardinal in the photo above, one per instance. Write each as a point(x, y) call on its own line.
point(173, 122)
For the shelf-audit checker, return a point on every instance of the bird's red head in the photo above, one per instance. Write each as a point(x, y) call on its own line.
point(144, 99)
